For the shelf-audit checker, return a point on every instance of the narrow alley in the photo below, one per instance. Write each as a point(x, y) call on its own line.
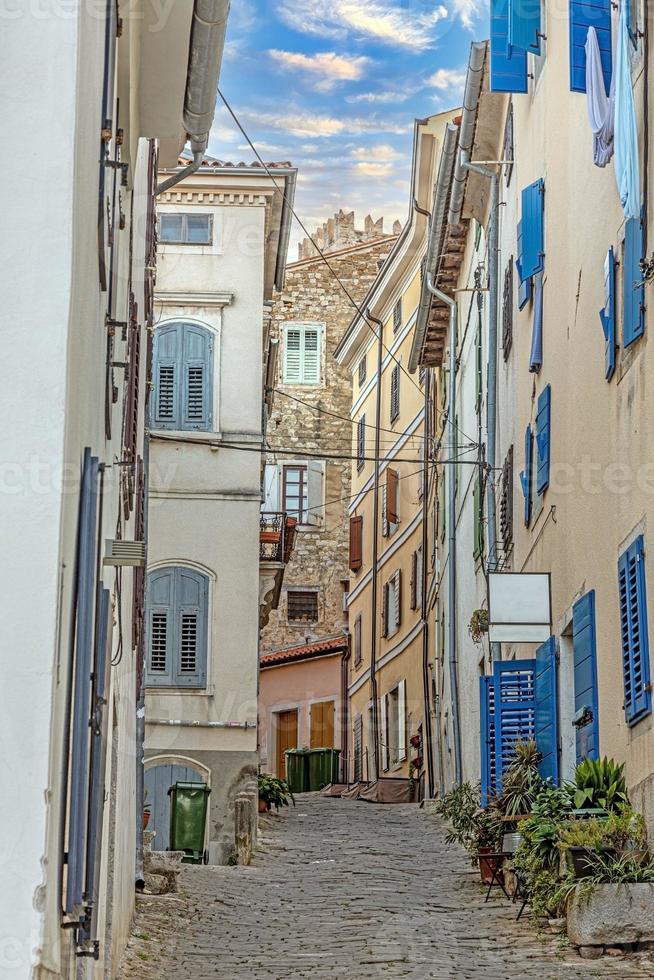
point(340, 889)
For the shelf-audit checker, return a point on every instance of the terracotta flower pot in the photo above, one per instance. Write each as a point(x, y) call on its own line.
point(485, 867)
point(264, 806)
point(146, 819)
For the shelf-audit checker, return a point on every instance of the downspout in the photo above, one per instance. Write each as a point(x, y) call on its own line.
point(375, 549)
point(205, 58)
point(451, 521)
point(345, 715)
point(463, 166)
point(426, 679)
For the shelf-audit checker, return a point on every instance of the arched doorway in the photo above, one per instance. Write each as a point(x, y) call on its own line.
point(159, 777)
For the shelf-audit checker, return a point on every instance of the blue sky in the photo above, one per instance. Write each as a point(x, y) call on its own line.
point(334, 86)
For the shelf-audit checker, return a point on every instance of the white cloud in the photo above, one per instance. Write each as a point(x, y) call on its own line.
point(380, 20)
point(380, 97)
point(309, 125)
point(468, 11)
point(371, 168)
point(328, 68)
point(446, 79)
point(381, 152)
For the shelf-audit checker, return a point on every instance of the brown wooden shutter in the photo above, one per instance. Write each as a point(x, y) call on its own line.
point(395, 392)
point(398, 597)
point(138, 587)
point(392, 491)
point(414, 580)
point(356, 543)
point(506, 501)
point(384, 610)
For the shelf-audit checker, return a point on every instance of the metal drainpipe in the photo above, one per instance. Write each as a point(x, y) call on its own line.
point(375, 550)
point(426, 679)
point(491, 399)
point(345, 715)
point(451, 520)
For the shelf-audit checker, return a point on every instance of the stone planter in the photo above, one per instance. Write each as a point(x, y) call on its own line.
point(612, 914)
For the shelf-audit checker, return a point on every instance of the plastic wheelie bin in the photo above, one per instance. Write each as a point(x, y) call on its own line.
point(297, 770)
point(188, 818)
point(323, 768)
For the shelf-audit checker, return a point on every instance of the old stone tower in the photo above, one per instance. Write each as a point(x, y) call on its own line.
point(311, 416)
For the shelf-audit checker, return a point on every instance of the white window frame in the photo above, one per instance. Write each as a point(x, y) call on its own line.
point(315, 483)
point(185, 215)
point(397, 695)
point(290, 377)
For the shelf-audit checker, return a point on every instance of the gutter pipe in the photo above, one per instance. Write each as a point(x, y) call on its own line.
point(375, 552)
point(424, 613)
point(205, 58)
point(451, 521)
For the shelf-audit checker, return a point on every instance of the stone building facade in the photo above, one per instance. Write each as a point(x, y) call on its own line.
point(311, 414)
point(340, 232)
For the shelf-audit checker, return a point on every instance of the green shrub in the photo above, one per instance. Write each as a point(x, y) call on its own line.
point(275, 792)
point(599, 784)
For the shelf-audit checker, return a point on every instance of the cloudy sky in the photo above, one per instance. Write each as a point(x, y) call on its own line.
point(334, 86)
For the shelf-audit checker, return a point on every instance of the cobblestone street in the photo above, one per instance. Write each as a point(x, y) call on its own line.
point(346, 890)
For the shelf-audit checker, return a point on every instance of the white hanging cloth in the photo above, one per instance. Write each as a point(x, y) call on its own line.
point(627, 164)
point(601, 107)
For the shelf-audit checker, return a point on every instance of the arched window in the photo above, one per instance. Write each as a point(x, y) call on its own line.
point(177, 611)
point(183, 377)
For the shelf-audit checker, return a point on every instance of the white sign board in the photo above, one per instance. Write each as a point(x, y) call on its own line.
point(520, 608)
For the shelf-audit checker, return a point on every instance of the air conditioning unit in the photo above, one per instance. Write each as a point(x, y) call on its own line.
point(124, 553)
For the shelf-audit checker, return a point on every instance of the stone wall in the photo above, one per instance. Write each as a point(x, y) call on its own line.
point(320, 559)
point(340, 232)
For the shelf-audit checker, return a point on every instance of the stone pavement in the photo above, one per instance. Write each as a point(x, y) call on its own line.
point(347, 890)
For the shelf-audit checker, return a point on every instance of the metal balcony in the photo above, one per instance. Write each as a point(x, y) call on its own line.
point(277, 536)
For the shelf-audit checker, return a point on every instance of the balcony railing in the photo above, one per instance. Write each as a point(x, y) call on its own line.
point(277, 537)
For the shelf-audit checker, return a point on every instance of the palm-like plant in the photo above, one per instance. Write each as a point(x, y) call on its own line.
point(521, 781)
point(599, 784)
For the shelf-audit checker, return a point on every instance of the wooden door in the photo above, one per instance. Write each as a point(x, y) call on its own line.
point(322, 725)
point(286, 738)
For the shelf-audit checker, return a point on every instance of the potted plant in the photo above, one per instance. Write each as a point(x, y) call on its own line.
point(621, 834)
point(486, 838)
point(599, 785)
point(415, 741)
point(478, 624)
point(146, 811)
point(613, 904)
point(273, 792)
point(521, 781)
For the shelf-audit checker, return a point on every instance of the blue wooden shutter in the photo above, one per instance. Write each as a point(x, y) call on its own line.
point(487, 740)
point(190, 656)
point(547, 715)
point(167, 377)
point(526, 478)
point(634, 631)
point(532, 252)
point(85, 575)
point(515, 709)
point(508, 65)
point(99, 729)
point(585, 14)
point(543, 428)
point(607, 315)
point(585, 678)
point(524, 285)
point(197, 377)
point(160, 606)
point(524, 25)
point(632, 282)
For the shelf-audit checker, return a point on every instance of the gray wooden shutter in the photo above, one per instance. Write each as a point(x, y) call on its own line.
point(85, 574)
point(397, 585)
point(191, 595)
point(161, 598)
point(167, 375)
point(197, 377)
point(384, 610)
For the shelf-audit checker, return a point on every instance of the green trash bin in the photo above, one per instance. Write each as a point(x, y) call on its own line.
point(188, 819)
point(323, 768)
point(297, 770)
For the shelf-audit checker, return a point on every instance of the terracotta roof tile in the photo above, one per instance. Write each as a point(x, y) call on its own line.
point(305, 651)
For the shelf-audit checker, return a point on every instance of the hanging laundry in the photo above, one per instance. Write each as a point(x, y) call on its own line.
point(601, 107)
point(536, 353)
point(627, 169)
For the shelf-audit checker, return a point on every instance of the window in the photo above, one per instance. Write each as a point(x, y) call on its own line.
point(583, 16)
point(508, 63)
point(177, 628)
point(361, 442)
point(507, 310)
point(543, 441)
point(363, 370)
point(506, 501)
point(393, 721)
point(183, 377)
point(186, 229)
point(607, 315)
point(302, 607)
point(397, 315)
point(508, 148)
point(634, 632)
point(527, 475)
point(356, 543)
point(532, 252)
point(302, 355)
point(392, 605)
point(395, 392)
point(392, 496)
point(633, 289)
point(302, 491)
point(416, 579)
point(358, 653)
